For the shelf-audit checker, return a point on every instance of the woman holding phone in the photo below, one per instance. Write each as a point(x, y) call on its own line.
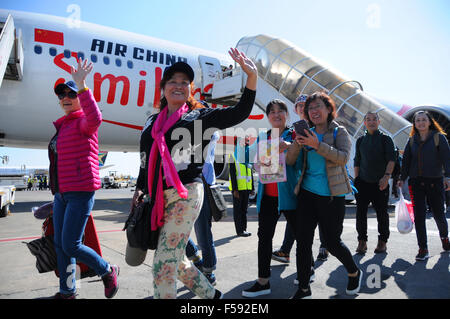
point(321, 190)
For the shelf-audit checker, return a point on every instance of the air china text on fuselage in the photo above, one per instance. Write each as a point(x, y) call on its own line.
point(132, 53)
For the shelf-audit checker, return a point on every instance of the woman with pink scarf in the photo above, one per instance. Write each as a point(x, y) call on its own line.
point(172, 138)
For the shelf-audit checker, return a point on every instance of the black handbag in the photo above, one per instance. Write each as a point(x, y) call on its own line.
point(217, 202)
point(45, 253)
point(138, 225)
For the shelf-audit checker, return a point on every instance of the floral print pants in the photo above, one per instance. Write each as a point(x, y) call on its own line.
point(170, 261)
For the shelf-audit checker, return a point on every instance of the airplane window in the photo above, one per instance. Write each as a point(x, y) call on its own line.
point(52, 51)
point(94, 58)
point(118, 62)
point(130, 64)
point(67, 54)
point(106, 60)
point(81, 55)
point(37, 49)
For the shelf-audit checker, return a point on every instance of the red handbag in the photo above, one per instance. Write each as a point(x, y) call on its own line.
point(90, 239)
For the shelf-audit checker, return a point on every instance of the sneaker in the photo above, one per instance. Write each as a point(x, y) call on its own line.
point(445, 244)
point(362, 247)
point(381, 247)
point(300, 294)
point(280, 256)
point(257, 290)
point(64, 296)
point(211, 278)
point(218, 295)
point(312, 276)
point(110, 282)
point(323, 254)
point(354, 284)
point(244, 234)
point(422, 255)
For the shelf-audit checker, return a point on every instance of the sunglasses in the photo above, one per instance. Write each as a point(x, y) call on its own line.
point(71, 95)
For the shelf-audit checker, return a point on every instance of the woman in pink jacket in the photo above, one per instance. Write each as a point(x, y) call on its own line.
point(74, 178)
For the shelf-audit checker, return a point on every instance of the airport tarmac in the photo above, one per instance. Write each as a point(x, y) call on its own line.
point(394, 275)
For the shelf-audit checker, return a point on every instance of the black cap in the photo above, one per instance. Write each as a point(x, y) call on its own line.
point(179, 67)
point(204, 104)
point(62, 86)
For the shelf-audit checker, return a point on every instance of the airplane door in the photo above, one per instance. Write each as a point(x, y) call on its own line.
point(210, 68)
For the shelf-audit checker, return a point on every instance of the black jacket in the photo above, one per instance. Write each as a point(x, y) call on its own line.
point(425, 159)
point(372, 154)
point(194, 122)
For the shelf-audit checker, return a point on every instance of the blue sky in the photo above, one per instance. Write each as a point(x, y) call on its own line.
point(398, 49)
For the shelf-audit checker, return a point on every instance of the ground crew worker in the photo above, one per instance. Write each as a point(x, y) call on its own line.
point(241, 185)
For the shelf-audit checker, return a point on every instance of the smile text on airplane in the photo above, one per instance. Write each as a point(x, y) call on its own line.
point(121, 49)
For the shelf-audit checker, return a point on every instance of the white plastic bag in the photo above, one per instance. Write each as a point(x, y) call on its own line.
point(402, 216)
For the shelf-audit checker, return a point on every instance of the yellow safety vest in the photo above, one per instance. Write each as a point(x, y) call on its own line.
point(243, 176)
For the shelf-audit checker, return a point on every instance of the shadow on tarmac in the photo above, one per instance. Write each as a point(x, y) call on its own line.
point(433, 281)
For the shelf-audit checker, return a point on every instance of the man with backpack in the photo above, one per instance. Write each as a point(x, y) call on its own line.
point(374, 163)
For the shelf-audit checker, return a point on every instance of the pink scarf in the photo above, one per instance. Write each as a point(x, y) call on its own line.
point(160, 127)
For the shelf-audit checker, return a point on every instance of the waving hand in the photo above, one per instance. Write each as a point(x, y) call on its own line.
point(247, 66)
point(79, 75)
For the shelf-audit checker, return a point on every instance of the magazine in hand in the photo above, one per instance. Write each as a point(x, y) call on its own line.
point(272, 164)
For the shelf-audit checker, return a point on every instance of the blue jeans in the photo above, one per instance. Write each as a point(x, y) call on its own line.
point(205, 239)
point(71, 211)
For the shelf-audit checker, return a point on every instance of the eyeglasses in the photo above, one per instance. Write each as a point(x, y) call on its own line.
point(71, 95)
point(315, 107)
point(272, 112)
point(174, 83)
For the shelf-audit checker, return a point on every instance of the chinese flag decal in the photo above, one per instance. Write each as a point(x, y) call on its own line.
point(47, 36)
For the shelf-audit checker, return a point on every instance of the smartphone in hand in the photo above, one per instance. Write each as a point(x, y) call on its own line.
point(300, 126)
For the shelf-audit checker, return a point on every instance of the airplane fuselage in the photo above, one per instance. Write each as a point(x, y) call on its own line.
point(124, 81)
